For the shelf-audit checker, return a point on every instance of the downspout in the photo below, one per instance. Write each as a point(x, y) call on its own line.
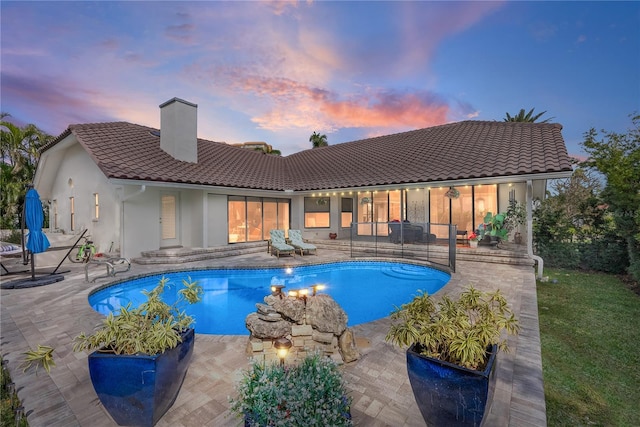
point(142, 189)
point(536, 258)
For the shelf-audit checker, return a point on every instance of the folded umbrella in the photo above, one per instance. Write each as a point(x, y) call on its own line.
point(34, 217)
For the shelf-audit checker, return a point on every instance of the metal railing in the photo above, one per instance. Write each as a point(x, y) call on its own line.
point(435, 243)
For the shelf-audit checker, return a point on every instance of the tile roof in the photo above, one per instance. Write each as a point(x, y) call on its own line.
point(462, 150)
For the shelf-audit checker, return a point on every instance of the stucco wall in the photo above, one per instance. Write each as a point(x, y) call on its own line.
point(216, 220)
point(141, 219)
point(78, 177)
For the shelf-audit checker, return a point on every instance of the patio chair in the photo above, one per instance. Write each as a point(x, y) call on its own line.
point(295, 238)
point(9, 250)
point(278, 245)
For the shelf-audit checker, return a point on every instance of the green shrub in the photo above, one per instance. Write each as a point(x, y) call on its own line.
point(608, 255)
point(309, 394)
point(9, 401)
point(14, 237)
point(454, 330)
point(151, 328)
point(560, 254)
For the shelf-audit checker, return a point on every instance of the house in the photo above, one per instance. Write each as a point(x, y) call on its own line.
point(136, 188)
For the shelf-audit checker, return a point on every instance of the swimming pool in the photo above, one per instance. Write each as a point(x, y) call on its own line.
point(366, 290)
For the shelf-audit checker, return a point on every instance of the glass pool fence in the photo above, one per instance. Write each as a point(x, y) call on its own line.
point(435, 243)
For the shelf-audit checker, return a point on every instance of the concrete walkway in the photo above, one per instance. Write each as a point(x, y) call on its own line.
point(54, 314)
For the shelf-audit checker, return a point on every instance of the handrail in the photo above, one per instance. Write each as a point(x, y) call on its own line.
point(70, 249)
point(110, 264)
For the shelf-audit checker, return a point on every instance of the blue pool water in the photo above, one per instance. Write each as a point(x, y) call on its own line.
point(365, 290)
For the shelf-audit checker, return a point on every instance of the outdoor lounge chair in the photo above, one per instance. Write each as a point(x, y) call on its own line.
point(10, 251)
point(295, 238)
point(278, 245)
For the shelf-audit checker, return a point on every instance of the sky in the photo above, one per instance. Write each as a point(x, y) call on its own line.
point(277, 71)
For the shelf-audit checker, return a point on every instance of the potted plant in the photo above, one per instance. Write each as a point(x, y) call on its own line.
point(452, 346)
point(515, 216)
point(473, 239)
point(141, 355)
point(495, 227)
point(311, 393)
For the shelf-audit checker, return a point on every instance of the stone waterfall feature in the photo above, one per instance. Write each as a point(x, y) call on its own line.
point(311, 322)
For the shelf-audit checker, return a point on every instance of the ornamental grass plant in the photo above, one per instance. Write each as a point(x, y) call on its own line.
point(151, 328)
point(459, 330)
point(311, 393)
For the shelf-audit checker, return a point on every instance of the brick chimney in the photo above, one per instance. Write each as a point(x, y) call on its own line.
point(179, 129)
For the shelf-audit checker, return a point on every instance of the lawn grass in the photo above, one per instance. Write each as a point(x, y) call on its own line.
point(590, 349)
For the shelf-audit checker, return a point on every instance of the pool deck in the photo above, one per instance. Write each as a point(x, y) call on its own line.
point(54, 314)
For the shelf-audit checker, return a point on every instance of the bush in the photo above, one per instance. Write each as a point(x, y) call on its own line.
point(608, 255)
point(9, 401)
point(454, 330)
point(560, 254)
point(14, 237)
point(309, 394)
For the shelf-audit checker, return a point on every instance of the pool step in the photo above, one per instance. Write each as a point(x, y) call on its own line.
point(182, 255)
point(406, 274)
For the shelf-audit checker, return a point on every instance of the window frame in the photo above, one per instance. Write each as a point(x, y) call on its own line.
point(314, 206)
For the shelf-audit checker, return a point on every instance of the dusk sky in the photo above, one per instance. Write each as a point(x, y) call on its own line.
point(278, 71)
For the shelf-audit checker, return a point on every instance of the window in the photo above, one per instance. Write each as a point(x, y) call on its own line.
point(96, 207)
point(485, 201)
point(237, 214)
point(381, 211)
point(254, 219)
point(346, 212)
point(250, 219)
point(365, 213)
point(378, 208)
point(461, 214)
point(72, 211)
point(467, 210)
point(317, 212)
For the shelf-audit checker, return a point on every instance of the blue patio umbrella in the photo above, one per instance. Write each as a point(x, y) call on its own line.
point(34, 217)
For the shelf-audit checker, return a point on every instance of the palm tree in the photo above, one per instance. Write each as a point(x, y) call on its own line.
point(318, 140)
point(528, 117)
point(19, 151)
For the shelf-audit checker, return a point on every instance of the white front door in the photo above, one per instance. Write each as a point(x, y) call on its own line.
point(169, 220)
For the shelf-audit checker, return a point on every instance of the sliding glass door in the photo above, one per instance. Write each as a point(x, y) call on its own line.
point(251, 218)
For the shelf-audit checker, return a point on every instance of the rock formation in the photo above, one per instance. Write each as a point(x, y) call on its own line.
point(311, 323)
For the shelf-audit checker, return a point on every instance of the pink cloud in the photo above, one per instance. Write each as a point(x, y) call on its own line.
point(299, 105)
point(389, 109)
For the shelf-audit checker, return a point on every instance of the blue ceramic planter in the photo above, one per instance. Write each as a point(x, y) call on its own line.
point(137, 390)
point(450, 395)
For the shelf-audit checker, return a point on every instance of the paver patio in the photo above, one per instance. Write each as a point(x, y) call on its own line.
point(378, 382)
